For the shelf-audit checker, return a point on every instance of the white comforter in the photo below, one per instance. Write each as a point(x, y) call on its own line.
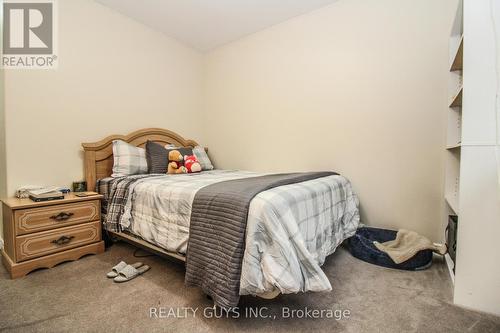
point(290, 229)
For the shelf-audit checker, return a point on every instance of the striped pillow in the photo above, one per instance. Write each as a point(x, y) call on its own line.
point(203, 158)
point(128, 159)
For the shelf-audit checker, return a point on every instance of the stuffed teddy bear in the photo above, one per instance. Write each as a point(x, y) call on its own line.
point(191, 163)
point(175, 165)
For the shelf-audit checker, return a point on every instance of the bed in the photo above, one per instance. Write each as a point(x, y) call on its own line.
point(290, 229)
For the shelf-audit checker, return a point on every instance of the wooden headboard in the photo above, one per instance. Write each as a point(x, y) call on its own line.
point(99, 155)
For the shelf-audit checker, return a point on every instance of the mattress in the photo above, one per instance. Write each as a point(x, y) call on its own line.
point(291, 229)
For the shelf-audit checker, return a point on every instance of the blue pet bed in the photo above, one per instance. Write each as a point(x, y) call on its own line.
point(361, 246)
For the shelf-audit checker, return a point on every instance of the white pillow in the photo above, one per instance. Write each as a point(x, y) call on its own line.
point(128, 159)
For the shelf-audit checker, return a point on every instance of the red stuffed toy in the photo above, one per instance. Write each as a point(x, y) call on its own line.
point(191, 163)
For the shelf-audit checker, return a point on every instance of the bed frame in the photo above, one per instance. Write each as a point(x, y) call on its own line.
point(99, 164)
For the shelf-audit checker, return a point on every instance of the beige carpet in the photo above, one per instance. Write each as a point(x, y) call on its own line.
point(76, 296)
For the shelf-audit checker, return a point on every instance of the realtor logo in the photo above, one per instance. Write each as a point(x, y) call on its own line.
point(29, 34)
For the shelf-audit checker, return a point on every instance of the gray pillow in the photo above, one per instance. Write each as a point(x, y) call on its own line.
point(157, 156)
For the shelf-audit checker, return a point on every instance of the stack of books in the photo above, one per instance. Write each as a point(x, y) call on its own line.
point(45, 194)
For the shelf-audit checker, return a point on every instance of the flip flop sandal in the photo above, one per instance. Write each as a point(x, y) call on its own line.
point(130, 272)
point(121, 265)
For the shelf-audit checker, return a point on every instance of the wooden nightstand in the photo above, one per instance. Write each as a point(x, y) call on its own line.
point(43, 234)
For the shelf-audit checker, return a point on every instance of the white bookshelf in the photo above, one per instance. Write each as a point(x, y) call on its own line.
point(454, 132)
point(454, 125)
point(472, 190)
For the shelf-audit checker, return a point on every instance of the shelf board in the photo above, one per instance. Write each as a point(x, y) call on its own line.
point(457, 100)
point(457, 64)
point(455, 146)
point(450, 265)
point(453, 203)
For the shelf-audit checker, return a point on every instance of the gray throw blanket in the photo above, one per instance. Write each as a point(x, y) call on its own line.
point(217, 232)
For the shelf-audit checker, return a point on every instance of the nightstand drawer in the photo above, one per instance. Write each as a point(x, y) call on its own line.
point(51, 217)
point(47, 242)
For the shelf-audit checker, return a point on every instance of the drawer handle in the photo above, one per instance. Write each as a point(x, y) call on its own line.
point(62, 240)
point(62, 216)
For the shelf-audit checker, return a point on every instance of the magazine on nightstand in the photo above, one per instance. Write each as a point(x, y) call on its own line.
point(45, 194)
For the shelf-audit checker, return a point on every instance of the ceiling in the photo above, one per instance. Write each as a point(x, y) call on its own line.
point(206, 24)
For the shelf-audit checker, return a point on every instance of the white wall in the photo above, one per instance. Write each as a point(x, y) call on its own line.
point(358, 87)
point(115, 76)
